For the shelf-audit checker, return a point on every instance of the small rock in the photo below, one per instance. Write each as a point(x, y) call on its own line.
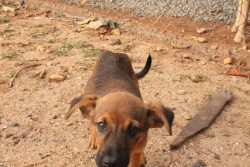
point(181, 92)
point(16, 141)
point(8, 135)
point(229, 120)
point(69, 124)
point(198, 78)
point(52, 63)
point(14, 124)
point(21, 2)
point(23, 135)
point(201, 30)
point(116, 42)
point(199, 39)
point(215, 56)
point(214, 47)
point(116, 31)
point(33, 117)
point(8, 9)
point(180, 45)
point(92, 156)
point(57, 77)
point(203, 63)
point(210, 135)
point(4, 127)
point(55, 116)
point(158, 49)
point(199, 163)
point(217, 156)
point(228, 60)
point(21, 99)
point(187, 116)
point(63, 69)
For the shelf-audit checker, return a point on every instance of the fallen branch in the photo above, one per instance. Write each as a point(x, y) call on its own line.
point(204, 118)
point(16, 74)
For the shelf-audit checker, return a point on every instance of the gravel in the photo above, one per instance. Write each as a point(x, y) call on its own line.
point(199, 10)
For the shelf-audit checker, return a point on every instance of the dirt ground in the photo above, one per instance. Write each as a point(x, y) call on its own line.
point(33, 131)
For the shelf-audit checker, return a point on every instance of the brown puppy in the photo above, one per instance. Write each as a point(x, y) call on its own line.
point(120, 120)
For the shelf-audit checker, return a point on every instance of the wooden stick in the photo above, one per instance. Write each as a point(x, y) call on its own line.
point(28, 66)
point(204, 118)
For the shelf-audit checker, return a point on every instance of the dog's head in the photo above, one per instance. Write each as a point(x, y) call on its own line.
point(120, 124)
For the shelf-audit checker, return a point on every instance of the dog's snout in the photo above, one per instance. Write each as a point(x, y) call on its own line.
point(109, 161)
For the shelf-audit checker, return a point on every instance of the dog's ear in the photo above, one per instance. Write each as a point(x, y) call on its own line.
point(158, 116)
point(85, 103)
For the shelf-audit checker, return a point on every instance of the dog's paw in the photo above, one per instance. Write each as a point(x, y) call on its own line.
point(240, 38)
point(234, 28)
point(143, 160)
point(92, 144)
point(93, 141)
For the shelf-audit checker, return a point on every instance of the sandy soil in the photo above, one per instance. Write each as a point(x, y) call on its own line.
point(33, 131)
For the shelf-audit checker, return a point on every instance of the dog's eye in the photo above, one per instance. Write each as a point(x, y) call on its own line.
point(101, 126)
point(132, 130)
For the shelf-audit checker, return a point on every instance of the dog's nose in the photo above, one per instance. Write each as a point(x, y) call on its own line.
point(109, 162)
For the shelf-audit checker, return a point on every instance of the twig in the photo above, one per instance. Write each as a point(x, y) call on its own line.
point(74, 17)
point(28, 66)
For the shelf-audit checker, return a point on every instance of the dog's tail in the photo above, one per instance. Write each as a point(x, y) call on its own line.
point(146, 68)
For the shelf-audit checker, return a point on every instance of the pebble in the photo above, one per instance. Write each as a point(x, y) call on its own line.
point(228, 60)
point(199, 39)
point(199, 163)
point(217, 156)
point(16, 141)
point(198, 78)
point(8, 135)
point(181, 92)
point(158, 49)
point(116, 42)
point(52, 63)
point(14, 124)
point(180, 45)
point(57, 77)
point(214, 47)
point(201, 30)
point(4, 127)
point(116, 31)
point(55, 116)
point(187, 116)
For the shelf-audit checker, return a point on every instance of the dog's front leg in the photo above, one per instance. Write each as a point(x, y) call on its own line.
point(93, 139)
point(143, 160)
point(137, 160)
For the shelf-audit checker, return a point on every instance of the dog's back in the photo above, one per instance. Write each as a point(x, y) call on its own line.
point(114, 73)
